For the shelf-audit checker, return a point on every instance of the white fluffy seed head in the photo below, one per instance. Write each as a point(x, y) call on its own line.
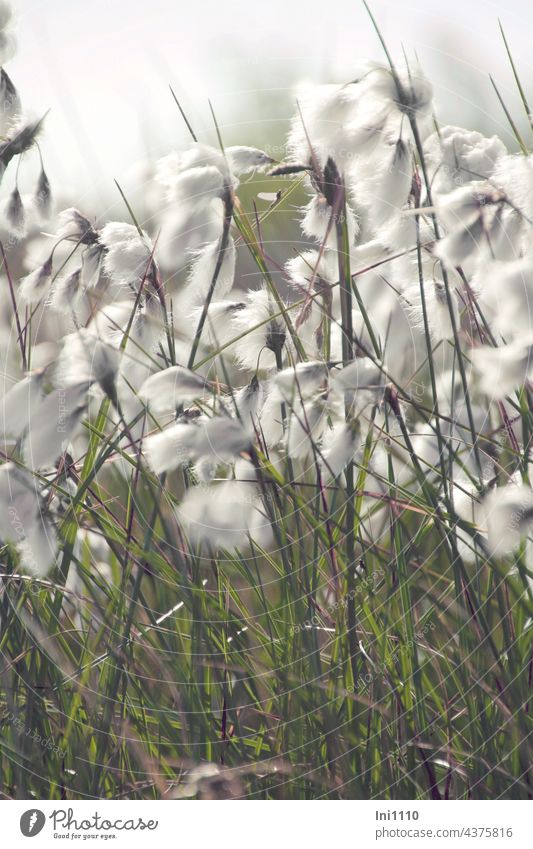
point(259, 331)
point(24, 523)
point(73, 225)
point(387, 190)
point(305, 380)
point(66, 293)
point(505, 290)
point(203, 267)
point(128, 253)
point(325, 109)
point(306, 421)
point(53, 425)
point(441, 312)
point(461, 244)
point(221, 438)
point(502, 370)
point(226, 516)
point(508, 517)
point(413, 95)
point(198, 187)
point(15, 212)
point(34, 286)
point(514, 175)
point(311, 265)
point(168, 389)
point(219, 328)
point(218, 440)
point(317, 222)
point(92, 258)
point(249, 401)
point(244, 159)
point(339, 447)
point(86, 359)
point(19, 401)
point(170, 168)
point(455, 156)
point(173, 447)
point(184, 230)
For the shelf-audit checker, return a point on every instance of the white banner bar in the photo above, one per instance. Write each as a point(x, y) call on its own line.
point(226, 825)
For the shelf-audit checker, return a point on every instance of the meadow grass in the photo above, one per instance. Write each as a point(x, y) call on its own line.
point(377, 649)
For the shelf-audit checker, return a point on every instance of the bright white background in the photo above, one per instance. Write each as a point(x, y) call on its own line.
point(103, 67)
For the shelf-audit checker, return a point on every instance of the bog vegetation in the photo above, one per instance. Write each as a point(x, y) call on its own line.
point(267, 534)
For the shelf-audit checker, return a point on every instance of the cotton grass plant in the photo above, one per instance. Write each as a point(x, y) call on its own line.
point(272, 542)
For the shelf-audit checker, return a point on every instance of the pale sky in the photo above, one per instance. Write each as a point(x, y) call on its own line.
point(103, 68)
